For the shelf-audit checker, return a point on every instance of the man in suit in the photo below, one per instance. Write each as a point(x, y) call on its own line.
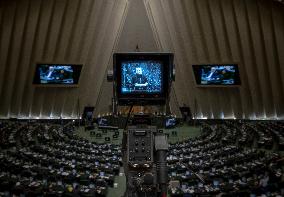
point(139, 81)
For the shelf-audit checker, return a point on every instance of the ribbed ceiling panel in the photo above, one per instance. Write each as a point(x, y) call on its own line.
point(65, 31)
point(249, 33)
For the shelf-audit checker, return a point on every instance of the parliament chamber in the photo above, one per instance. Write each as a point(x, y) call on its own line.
point(226, 158)
point(142, 98)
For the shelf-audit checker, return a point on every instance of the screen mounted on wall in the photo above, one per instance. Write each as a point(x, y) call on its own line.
point(217, 75)
point(57, 74)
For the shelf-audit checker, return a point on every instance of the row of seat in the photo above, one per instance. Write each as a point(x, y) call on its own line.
point(221, 162)
point(56, 162)
point(48, 159)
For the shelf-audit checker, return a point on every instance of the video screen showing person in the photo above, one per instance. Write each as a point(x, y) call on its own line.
point(170, 122)
point(218, 75)
point(56, 74)
point(141, 77)
point(102, 121)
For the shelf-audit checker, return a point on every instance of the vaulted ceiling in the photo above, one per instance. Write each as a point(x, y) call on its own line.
point(250, 33)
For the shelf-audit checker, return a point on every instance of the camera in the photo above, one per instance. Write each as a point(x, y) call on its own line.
point(143, 78)
point(145, 162)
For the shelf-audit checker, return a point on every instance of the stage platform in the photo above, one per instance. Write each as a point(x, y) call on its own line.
point(99, 135)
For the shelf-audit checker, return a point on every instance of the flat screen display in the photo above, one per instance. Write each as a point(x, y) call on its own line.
point(170, 122)
point(60, 74)
point(141, 77)
point(217, 74)
point(102, 121)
